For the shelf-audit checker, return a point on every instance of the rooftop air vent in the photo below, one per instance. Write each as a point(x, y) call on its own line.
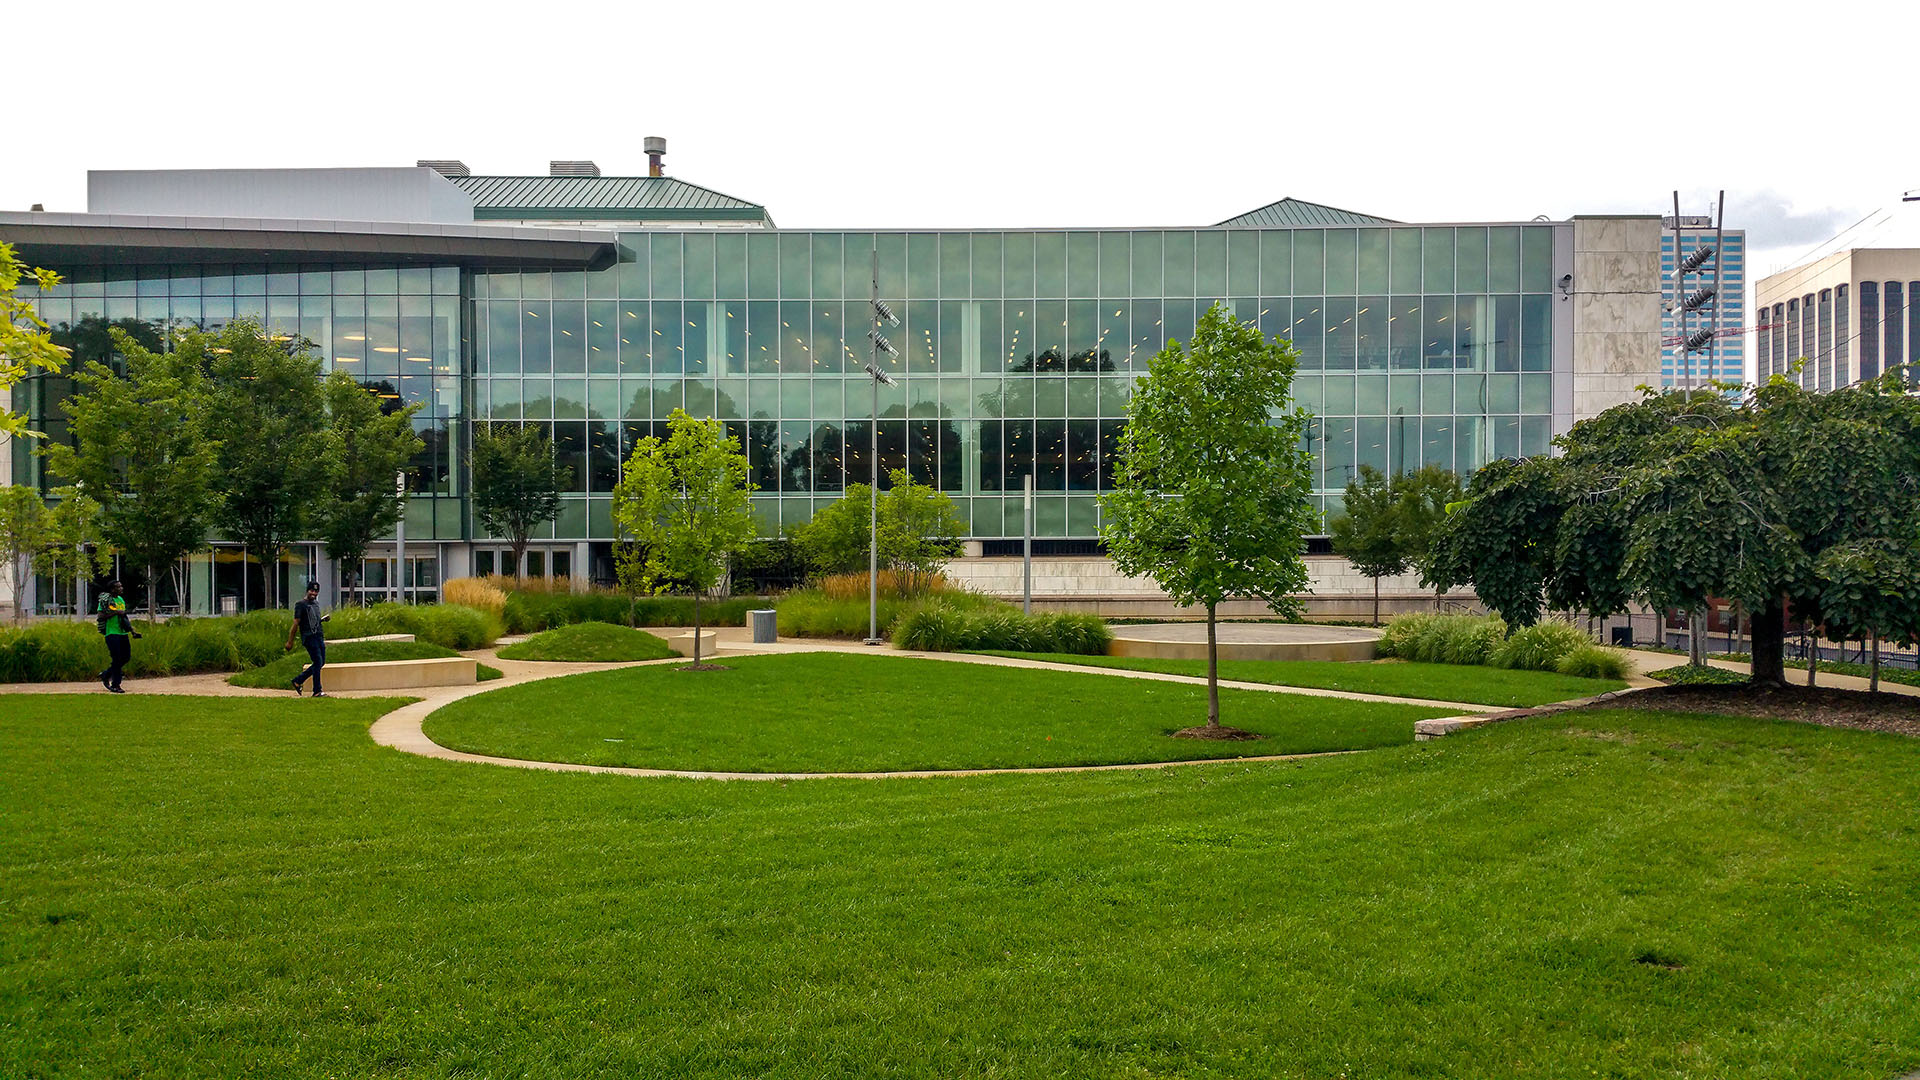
point(445, 168)
point(572, 168)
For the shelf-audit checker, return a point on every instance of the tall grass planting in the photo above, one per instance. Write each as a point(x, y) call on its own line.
point(816, 613)
point(939, 626)
point(1539, 647)
point(1483, 640)
point(479, 593)
point(533, 612)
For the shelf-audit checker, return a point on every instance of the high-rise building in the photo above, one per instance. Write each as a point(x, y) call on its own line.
point(1726, 358)
point(1842, 318)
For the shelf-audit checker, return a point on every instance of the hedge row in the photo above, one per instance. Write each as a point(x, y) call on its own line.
point(939, 626)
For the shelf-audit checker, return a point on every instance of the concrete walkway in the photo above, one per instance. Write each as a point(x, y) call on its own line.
point(1646, 662)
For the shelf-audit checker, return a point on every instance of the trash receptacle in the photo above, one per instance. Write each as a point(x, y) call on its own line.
point(765, 628)
point(1623, 636)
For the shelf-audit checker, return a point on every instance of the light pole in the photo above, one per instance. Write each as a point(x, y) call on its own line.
point(400, 538)
point(876, 376)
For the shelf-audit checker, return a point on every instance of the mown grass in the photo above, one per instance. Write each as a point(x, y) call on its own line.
point(1432, 682)
point(251, 887)
point(836, 712)
point(277, 675)
point(589, 642)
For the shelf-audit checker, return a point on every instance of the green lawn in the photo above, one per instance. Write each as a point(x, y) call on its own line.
point(217, 887)
point(835, 712)
point(1435, 682)
point(277, 675)
point(589, 642)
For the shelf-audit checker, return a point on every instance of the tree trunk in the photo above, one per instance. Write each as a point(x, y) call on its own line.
point(243, 579)
point(1813, 652)
point(1213, 672)
point(1770, 646)
point(696, 628)
point(1873, 665)
point(519, 555)
point(1376, 601)
point(153, 596)
point(1696, 638)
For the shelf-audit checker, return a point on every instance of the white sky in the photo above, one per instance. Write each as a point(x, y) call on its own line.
point(1017, 114)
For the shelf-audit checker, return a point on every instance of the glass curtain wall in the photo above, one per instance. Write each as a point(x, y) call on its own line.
point(1017, 352)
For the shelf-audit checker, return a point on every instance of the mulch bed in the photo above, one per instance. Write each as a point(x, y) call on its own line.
point(1828, 707)
point(1222, 733)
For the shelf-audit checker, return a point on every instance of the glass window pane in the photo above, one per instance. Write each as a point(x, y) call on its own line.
point(1083, 264)
point(1210, 264)
point(1147, 250)
point(1437, 273)
point(828, 253)
point(1340, 261)
point(796, 265)
point(1405, 260)
point(1503, 259)
point(1177, 264)
point(1116, 264)
point(1050, 264)
point(923, 265)
point(1018, 263)
point(1471, 260)
point(986, 264)
point(668, 265)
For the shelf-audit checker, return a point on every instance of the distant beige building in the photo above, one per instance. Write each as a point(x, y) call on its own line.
point(1850, 316)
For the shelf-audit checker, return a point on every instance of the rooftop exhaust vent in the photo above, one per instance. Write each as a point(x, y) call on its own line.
point(445, 168)
point(572, 168)
point(656, 148)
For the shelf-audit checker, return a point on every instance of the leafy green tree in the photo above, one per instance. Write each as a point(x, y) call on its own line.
point(366, 446)
point(1213, 488)
point(684, 501)
point(1871, 589)
point(918, 525)
point(142, 447)
point(1424, 496)
point(920, 531)
point(267, 415)
point(25, 344)
point(75, 545)
point(1682, 497)
point(23, 532)
point(1368, 534)
point(516, 483)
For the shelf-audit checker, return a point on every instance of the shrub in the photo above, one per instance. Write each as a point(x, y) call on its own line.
point(52, 652)
point(1590, 661)
point(452, 626)
point(184, 647)
point(475, 593)
point(1690, 675)
point(594, 642)
point(1539, 647)
point(532, 612)
point(937, 626)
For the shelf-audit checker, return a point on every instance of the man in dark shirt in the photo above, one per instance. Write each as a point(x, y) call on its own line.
point(307, 622)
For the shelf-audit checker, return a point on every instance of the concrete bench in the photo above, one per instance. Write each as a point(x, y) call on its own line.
point(371, 637)
point(400, 674)
point(683, 643)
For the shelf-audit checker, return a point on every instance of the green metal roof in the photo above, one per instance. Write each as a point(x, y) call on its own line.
point(1292, 213)
point(602, 198)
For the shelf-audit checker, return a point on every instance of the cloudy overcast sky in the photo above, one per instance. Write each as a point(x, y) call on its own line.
point(1018, 114)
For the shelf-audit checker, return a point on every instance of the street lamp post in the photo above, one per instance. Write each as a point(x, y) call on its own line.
point(879, 344)
point(400, 538)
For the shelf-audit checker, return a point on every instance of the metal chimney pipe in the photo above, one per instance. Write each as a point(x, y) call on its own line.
point(656, 148)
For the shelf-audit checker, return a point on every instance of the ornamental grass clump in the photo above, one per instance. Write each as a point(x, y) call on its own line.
point(1590, 661)
point(1539, 647)
point(477, 593)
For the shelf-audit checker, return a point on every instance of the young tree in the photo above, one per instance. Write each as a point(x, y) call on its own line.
point(74, 544)
point(684, 500)
point(1424, 497)
point(516, 483)
point(919, 530)
point(366, 446)
point(25, 344)
point(144, 449)
point(1213, 488)
point(1368, 534)
point(23, 532)
point(267, 415)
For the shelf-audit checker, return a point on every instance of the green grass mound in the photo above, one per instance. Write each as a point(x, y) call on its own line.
point(277, 675)
point(1433, 682)
point(836, 712)
point(589, 643)
point(221, 887)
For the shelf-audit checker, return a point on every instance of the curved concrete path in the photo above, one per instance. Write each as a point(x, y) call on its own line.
point(403, 728)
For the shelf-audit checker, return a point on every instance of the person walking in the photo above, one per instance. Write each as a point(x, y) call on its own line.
point(307, 623)
point(111, 617)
